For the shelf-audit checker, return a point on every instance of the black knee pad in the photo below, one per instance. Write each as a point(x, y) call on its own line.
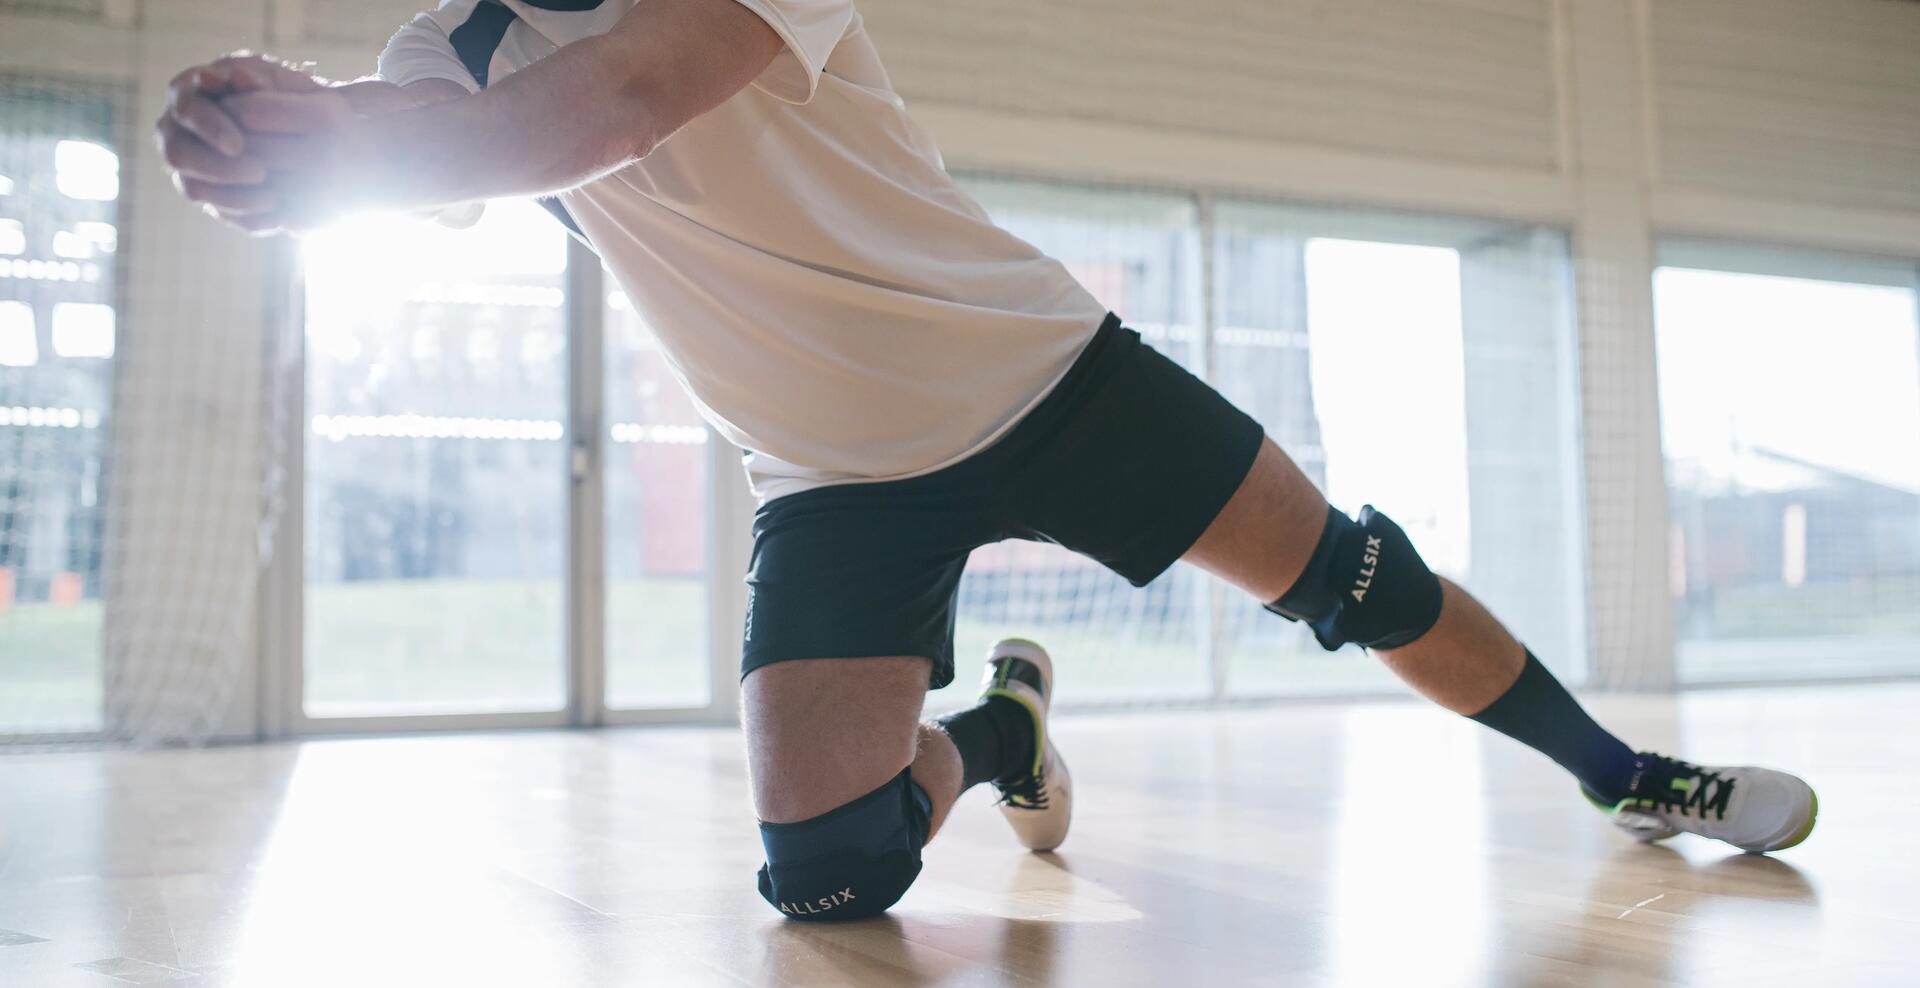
point(1365, 584)
point(851, 862)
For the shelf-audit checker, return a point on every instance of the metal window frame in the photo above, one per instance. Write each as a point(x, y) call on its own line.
point(280, 700)
point(1213, 597)
point(1787, 260)
point(121, 95)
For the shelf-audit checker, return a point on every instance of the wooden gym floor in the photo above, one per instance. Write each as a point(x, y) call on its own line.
point(1382, 844)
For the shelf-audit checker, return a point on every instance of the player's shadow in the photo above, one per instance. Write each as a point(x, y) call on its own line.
point(1758, 877)
point(901, 948)
point(890, 950)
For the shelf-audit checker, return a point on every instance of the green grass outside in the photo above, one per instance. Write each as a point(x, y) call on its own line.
point(1819, 631)
point(464, 645)
point(50, 668)
point(461, 645)
point(1885, 607)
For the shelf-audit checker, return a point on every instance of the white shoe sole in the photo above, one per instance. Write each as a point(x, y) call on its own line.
point(1038, 829)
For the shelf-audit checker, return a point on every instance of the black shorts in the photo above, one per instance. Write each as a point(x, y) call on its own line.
point(1126, 461)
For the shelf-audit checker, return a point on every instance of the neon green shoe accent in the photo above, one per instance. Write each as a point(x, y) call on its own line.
point(1807, 830)
point(1002, 671)
point(1602, 805)
point(1039, 722)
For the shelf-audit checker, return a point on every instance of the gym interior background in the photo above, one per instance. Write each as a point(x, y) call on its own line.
point(1638, 278)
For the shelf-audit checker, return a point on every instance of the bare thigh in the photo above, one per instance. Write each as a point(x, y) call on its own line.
point(1261, 541)
point(824, 732)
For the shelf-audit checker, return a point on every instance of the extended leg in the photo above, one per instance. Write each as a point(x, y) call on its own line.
point(1361, 580)
point(1434, 635)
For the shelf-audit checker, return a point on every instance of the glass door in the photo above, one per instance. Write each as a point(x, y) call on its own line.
point(1423, 364)
point(658, 496)
point(435, 473)
point(59, 210)
point(507, 496)
point(1790, 417)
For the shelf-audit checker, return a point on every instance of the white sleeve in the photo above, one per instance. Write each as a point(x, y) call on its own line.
point(810, 29)
point(423, 48)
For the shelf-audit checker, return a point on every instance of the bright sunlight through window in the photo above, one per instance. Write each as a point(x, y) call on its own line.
point(85, 170)
point(1389, 379)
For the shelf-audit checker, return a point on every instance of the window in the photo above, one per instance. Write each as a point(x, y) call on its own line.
point(1790, 413)
point(435, 467)
point(59, 186)
point(1422, 365)
point(657, 501)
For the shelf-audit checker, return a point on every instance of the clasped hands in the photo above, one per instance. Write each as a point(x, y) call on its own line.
point(266, 147)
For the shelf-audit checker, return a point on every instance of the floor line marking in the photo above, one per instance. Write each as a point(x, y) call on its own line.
point(1642, 902)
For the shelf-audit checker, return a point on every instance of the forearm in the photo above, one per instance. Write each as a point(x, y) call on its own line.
point(587, 109)
point(568, 118)
point(370, 97)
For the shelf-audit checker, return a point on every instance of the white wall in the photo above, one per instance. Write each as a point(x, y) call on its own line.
point(1815, 103)
point(1452, 80)
point(1787, 121)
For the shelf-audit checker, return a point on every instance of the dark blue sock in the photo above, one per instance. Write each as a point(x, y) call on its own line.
point(1539, 713)
point(995, 740)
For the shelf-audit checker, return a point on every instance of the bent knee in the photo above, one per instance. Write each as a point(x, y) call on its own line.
point(850, 862)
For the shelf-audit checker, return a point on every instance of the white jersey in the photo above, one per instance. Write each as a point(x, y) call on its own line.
point(834, 302)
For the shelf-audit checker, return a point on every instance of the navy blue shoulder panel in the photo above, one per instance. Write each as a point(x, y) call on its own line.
point(552, 205)
point(479, 37)
point(476, 40)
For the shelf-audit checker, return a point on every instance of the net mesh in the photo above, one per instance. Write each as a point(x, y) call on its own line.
point(1472, 351)
point(136, 505)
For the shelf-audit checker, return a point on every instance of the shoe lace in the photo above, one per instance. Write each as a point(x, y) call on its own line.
point(1682, 788)
point(1029, 792)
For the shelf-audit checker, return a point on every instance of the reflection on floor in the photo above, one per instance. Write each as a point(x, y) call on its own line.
point(1366, 845)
